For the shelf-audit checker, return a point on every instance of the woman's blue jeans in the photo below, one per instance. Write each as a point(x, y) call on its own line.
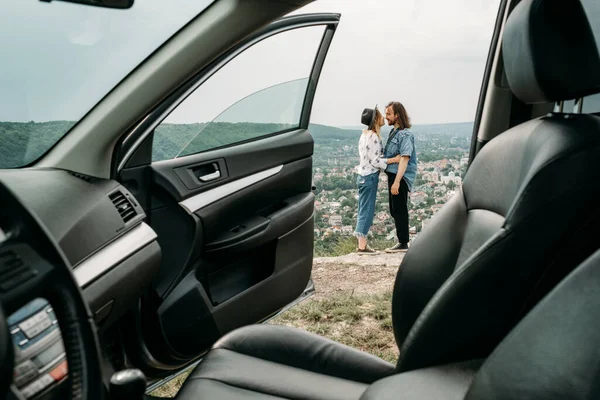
point(367, 194)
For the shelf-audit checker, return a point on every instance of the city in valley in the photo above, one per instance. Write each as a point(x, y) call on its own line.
point(442, 153)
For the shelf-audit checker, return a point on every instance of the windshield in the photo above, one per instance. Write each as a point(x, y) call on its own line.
point(60, 59)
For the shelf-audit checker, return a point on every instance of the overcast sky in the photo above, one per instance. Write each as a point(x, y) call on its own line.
point(428, 54)
point(59, 59)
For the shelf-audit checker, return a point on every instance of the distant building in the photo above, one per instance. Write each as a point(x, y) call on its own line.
point(439, 190)
point(335, 220)
point(464, 161)
point(379, 229)
point(382, 215)
point(318, 177)
point(452, 178)
point(334, 205)
point(347, 229)
point(418, 197)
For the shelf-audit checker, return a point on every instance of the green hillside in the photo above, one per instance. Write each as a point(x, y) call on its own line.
point(23, 142)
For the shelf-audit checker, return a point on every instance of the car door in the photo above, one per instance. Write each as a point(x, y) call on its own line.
point(223, 169)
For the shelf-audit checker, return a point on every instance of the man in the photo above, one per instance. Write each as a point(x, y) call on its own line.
point(400, 176)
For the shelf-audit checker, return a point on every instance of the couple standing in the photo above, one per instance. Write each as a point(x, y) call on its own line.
point(398, 159)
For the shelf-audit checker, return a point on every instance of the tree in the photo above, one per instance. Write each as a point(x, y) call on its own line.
point(451, 185)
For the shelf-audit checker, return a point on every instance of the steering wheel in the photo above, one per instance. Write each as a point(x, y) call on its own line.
point(44, 273)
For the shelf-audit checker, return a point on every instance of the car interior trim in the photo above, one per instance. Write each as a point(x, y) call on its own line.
point(199, 201)
point(117, 251)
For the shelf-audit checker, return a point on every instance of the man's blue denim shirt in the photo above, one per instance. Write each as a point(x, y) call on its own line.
point(402, 142)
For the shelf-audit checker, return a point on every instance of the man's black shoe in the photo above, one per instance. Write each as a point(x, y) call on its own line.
point(398, 248)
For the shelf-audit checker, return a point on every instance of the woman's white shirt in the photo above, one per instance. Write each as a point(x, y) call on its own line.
point(370, 150)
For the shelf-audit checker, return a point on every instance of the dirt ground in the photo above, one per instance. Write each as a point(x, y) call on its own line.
point(355, 274)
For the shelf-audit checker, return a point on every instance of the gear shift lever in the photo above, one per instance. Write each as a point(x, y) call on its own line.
point(129, 384)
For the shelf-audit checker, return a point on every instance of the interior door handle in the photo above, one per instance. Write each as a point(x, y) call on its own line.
point(210, 177)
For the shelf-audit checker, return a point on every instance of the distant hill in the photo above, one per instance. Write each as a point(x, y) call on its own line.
point(23, 142)
point(327, 133)
point(453, 129)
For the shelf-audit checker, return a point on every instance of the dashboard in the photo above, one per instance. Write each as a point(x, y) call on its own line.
point(101, 229)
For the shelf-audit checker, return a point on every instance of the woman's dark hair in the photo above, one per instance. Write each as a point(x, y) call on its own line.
point(400, 111)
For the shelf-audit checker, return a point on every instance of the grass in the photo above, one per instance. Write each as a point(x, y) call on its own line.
point(363, 322)
point(360, 321)
point(171, 388)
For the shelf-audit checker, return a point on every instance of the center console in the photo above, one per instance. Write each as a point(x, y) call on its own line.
point(40, 360)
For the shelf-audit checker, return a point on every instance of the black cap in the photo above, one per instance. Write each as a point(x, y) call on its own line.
point(368, 116)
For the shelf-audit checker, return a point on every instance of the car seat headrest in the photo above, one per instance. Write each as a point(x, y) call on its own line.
point(549, 52)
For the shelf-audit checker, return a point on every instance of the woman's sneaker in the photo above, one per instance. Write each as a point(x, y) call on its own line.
point(398, 248)
point(366, 250)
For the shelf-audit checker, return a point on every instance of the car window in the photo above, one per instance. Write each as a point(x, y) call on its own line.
point(591, 104)
point(60, 59)
point(240, 102)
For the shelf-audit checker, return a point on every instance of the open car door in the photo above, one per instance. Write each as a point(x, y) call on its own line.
point(228, 191)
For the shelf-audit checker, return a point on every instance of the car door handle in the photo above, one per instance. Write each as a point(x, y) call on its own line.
point(210, 177)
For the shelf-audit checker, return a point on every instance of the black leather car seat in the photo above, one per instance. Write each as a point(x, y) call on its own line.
point(527, 212)
point(497, 245)
point(552, 354)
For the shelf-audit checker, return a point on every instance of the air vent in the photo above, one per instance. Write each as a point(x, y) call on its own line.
point(123, 205)
point(87, 178)
point(13, 270)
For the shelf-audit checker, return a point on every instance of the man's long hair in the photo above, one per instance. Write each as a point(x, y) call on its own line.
point(400, 111)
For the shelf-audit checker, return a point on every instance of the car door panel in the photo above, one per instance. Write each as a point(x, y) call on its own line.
point(235, 223)
point(250, 247)
point(268, 225)
point(239, 161)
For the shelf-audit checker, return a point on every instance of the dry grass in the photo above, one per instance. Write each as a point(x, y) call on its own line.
point(172, 387)
point(360, 321)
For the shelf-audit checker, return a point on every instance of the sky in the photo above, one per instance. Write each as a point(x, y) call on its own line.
point(428, 54)
point(59, 59)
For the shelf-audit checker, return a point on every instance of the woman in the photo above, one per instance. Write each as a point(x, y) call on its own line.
point(371, 162)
